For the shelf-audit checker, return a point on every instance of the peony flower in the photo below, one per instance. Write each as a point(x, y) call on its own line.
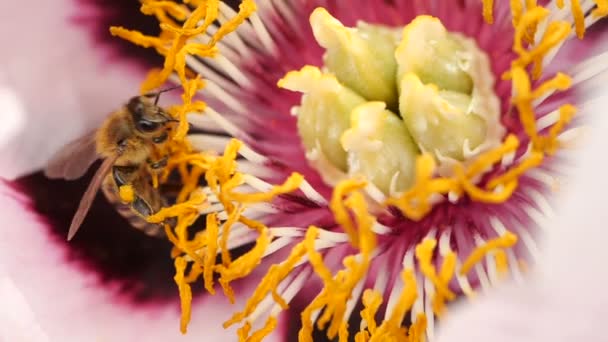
point(60, 75)
point(415, 168)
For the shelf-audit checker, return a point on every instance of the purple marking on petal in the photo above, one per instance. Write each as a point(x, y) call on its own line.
point(97, 16)
point(140, 267)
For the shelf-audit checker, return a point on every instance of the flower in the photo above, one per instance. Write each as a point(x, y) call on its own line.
point(59, 77)
point(427, 142)
point(431, 144)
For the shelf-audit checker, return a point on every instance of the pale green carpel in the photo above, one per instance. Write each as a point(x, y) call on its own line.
point(446, 95)
point(386, 95)
point(380, 148)
point(435, 56)
point(324, 113)
point(440, 121)
point(362, 58)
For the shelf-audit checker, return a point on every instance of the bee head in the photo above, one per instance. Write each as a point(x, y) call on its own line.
point(147, 116)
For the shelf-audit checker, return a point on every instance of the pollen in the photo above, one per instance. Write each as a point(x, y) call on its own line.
point(126, 193)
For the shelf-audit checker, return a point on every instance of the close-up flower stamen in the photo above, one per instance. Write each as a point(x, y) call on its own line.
point(363, 164)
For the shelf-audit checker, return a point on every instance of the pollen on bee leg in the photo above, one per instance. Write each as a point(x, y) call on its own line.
point(126, 193)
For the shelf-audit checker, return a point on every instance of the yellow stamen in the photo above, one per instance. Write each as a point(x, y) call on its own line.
point(197, 201)
point(291, 184)
point(341, 213)
point(212, 231)
point(424, 253)
point(337, 289)
point(601, 10)
point(391, 328)
point(185, 293)
point(272, 279)
point(232, 219)
point(371, 303)
point(579, 18)
point(259, 335)
point(247, 262)
point(507, 240)
point(502, 262)
point(179, 12)
point(488, 14)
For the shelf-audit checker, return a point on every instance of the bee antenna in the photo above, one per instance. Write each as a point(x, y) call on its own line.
point(157, 94)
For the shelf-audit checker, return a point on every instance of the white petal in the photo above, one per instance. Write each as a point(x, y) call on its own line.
point(566, 298)
point(63, 82)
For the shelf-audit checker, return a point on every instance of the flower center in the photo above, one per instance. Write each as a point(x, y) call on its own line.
point(386, 95)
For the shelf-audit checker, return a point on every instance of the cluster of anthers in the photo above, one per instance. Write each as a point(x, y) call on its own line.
point(221, 188)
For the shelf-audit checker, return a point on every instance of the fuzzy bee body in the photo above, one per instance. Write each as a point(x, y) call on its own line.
point(147, 201)
point(131, 143)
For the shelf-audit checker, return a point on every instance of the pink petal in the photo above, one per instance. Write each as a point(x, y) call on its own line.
point(59, 77)
point(565, 300)
point(45, 295)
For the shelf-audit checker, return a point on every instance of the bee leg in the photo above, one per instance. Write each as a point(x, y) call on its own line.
point(123, 175)
point(155, 165)
point(161, 138)
point(144, 209)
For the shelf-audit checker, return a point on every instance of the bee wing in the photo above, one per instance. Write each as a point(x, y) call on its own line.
point(89, 195)
point(73, 160)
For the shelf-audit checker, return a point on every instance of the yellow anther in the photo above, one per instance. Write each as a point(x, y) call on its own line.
point(246, 9)
point(126, 193)
point(391, 328)
point(601, 10)
point(507, 240)
point(338, 288)
point(195, 273)
point(338, 207)
point(424, 254)
point(502, 262)
point(197, 201)
point(291, 184)
point(138, 38)
point(417, 331)
point(488, 11)
point(489, 158)
point(534, 160)
point(179, 12)
point(554, 35)
point(246, 263)
point(371, 303)
point(185, 293)
point(212, 231)
point(579, 18)
point(243, 332)
point(415, 202)
point(232, 219)
point(259, 335)
point(516, 11)
point(273, 278)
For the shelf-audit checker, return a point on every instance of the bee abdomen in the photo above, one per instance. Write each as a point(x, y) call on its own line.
point(132, 213)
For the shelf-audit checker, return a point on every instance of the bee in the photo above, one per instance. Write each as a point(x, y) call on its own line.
point(130, 142)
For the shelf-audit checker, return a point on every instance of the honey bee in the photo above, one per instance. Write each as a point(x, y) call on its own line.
point(130, 142)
